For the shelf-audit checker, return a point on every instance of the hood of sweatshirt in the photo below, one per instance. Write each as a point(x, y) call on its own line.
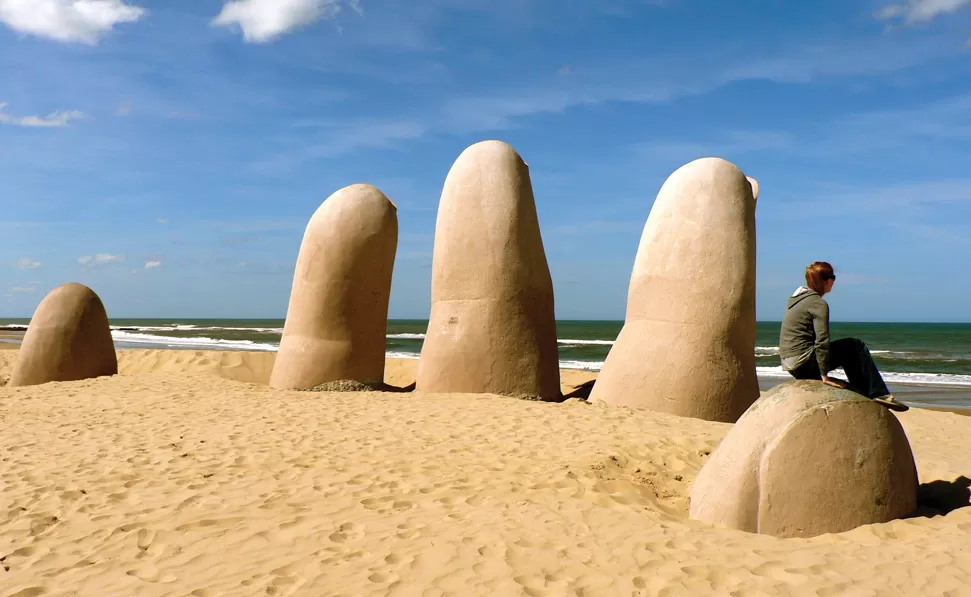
point(801, 294)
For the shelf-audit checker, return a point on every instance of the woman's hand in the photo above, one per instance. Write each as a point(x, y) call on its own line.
point(836, 383)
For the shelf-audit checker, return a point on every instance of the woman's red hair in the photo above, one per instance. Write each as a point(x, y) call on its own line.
point(817, 274)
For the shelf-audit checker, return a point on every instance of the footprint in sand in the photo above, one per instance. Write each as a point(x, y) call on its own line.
point(41, 524)
point(145, 538)
point(348, 531)
point(29, 592)
point(375, 503)
point(149, 573)
point(408, 531)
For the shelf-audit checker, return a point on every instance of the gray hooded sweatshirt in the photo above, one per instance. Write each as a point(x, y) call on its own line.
point(805, 331)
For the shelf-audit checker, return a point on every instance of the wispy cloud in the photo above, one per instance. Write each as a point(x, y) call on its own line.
point(646, 81)
point(28, 263)
point(948, 118)
point(264, 20)
point(910, 202)
point(917, 11)
point(727, 144)
point(162, 221)
point(243, 240)
point(336, 139)
point(153, 264)
point(21, 290)
point(656, 81)
point(935, 124)
point(99, 259)
point(54, 119)
point(936, 235)
point(81, 21)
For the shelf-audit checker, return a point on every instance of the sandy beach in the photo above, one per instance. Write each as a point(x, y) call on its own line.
point(182, 476)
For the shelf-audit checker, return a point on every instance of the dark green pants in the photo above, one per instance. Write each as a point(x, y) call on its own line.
point(854, 357)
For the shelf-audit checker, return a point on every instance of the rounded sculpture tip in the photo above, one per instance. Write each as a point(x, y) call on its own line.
point(356, 195)
point(490, 147)
point(711, 168)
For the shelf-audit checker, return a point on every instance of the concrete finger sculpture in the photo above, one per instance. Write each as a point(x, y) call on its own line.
point(68, 339)
point(808, 459)
point(338, 315)
point(688, 343)
point(492, 328)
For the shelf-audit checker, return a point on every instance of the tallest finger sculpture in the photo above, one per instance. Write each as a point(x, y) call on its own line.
point(688, 344)
point(492, 327)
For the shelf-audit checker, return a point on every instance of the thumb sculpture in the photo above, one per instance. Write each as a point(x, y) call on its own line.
point(492, 327)
point(337, 320)
point(808, 459)
point(68, 339)
point(688, 343)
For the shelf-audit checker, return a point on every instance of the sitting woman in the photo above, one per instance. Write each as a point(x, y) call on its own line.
point(807, 352)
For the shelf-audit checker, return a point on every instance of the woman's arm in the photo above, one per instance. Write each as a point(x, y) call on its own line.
point(820, 312)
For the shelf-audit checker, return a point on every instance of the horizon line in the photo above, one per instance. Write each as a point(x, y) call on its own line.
point(425, 319)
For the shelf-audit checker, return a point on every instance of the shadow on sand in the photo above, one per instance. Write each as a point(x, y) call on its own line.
point(939, 498)
point(581, 391)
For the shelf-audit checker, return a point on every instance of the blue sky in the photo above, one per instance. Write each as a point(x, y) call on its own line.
point(169, 153)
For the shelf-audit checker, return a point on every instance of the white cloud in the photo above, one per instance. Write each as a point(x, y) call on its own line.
point(28, 263)
point(162, 221)
point(59, 118)
point(916, 11)
point(100, 259)
point(890, 12)
point(264, 20)
point(83, 21)
point(155, 263)
point(20, 290)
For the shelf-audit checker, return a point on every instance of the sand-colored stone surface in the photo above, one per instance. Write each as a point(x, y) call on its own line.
point(69, 338)
point(173, 484)
point(492, 327)
point(808, 459)
point(338, 313)
point(688, 342)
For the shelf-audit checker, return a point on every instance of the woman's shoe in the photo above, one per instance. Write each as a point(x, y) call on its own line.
point(890, 402)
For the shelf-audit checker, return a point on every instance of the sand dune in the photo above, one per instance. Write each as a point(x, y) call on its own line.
point(182, 477)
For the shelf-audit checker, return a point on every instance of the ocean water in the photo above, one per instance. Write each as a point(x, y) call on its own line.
point(924, 354)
